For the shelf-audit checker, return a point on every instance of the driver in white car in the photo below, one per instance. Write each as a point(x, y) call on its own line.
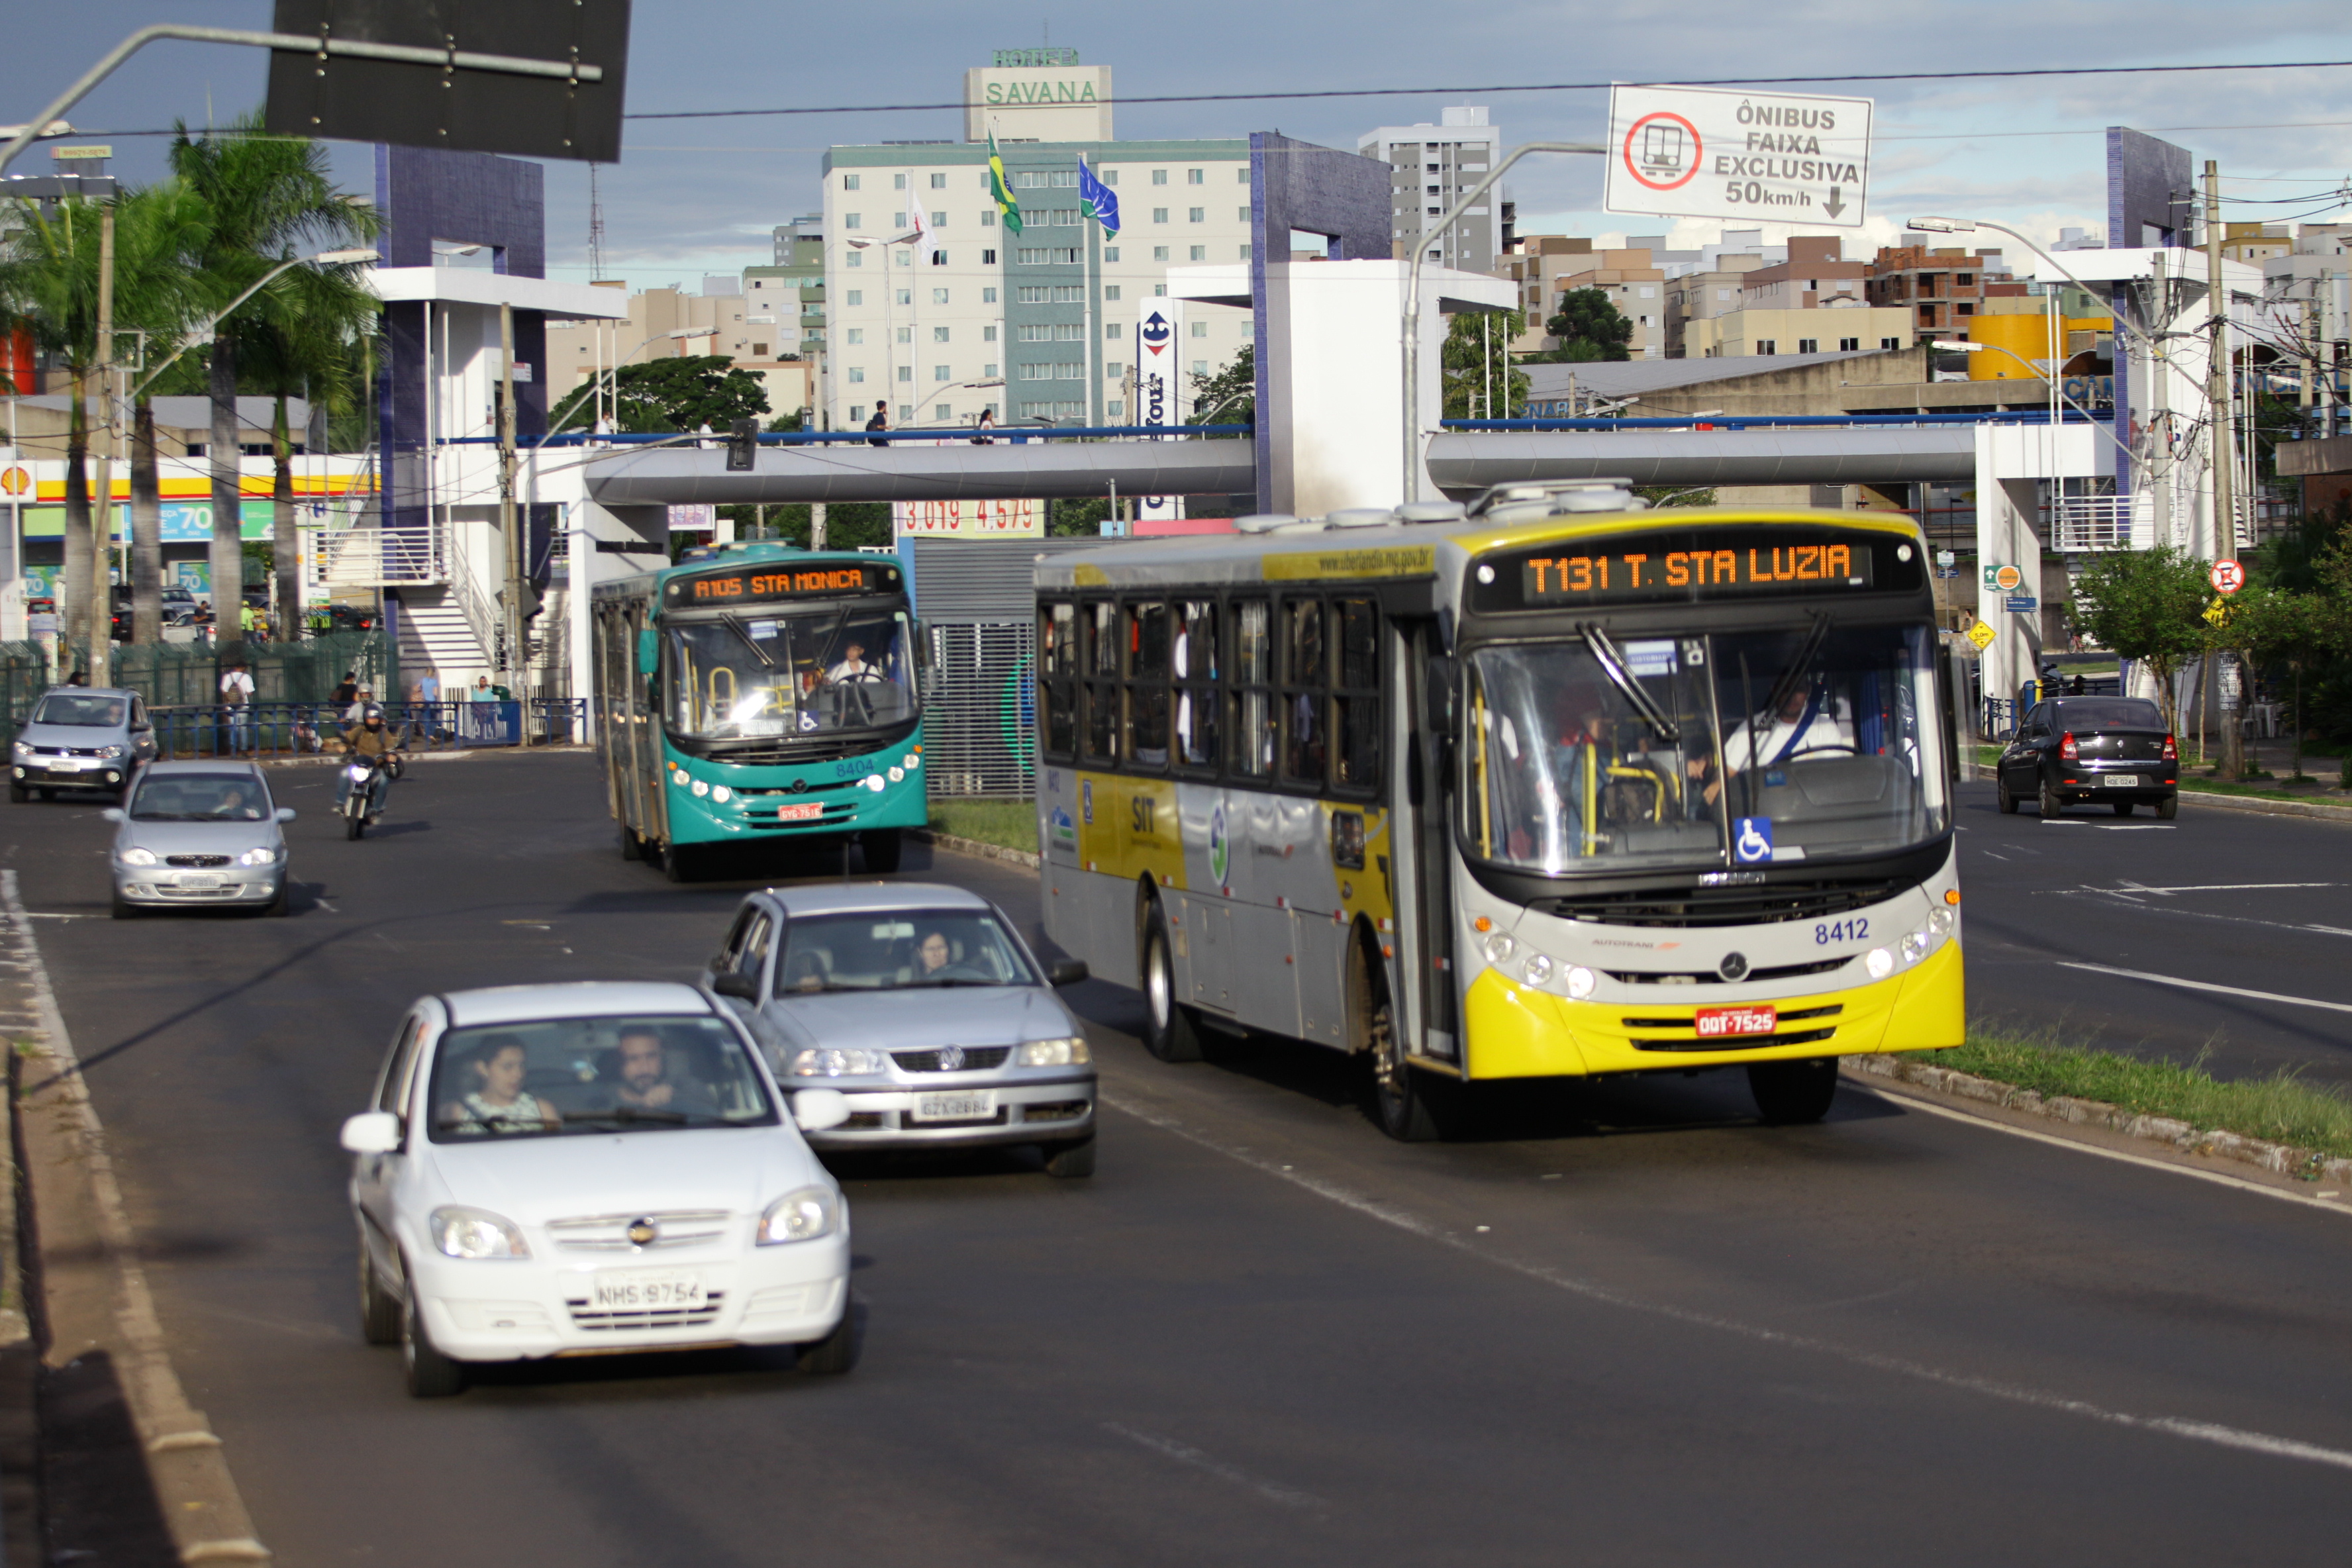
point(1808, 719)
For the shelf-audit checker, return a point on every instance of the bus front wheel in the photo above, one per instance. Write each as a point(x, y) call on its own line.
point(880, 847)
point(1788, 1093)
point(679, 863)
point(1169, 1032)
point(1405, 1098)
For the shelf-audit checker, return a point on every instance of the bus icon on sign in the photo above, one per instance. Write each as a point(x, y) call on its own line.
point(1662, 150)
point(1662, 147)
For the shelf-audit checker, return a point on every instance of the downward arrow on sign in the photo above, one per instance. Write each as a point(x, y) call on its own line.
point(1835, 204)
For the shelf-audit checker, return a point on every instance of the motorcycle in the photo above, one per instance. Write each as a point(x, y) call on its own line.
point(363, 799)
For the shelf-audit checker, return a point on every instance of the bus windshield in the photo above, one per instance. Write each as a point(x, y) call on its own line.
point(1733, 749)
point(747, 674)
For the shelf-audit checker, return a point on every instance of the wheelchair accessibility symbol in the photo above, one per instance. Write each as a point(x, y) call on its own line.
point(1751, 841)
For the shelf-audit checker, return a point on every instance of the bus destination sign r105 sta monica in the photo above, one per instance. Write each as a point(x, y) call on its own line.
point(1694, 565)
point(770, 582)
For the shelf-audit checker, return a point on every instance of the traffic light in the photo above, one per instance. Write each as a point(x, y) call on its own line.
point(743, 444)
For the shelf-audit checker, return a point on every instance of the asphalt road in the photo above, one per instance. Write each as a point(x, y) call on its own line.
point(2067, 919)
point(1630, 1326)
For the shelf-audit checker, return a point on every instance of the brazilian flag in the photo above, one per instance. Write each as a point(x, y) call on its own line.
point(1002, 188)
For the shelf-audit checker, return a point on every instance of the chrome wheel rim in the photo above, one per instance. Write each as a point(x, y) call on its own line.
point(1157, 985)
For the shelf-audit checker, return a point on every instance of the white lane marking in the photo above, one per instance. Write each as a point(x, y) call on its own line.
point(1186, 1455)
point(2209, 986)
point(2064, 822)
point(2014, 1393)
point(2138, 827)
point(1917, 1102)
point(2002, 858)
point(2228, 887)
point(44, 915)
point(2331, 930)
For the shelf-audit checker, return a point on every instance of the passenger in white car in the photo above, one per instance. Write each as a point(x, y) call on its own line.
point(498, 1104)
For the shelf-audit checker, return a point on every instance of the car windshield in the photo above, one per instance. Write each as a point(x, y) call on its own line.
point(2106, 713)
point(595, 1074)
point(200, 798)
point(1737, 748)
point(76, 708)
point(897, 949)
point(747, 675)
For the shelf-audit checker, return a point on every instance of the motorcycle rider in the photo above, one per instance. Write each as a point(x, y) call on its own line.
point(372, 740)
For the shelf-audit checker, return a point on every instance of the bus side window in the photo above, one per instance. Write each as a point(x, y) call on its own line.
point(1355, 704)
point(1306, 678)
point(1100, 660)
point(1148, 642)
point(1250, 712)
point(1057, 663)
point(1195, 662)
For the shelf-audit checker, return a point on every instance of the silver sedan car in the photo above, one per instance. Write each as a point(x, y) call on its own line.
point(80, 737)
point(200, 833)
point(924, 1007)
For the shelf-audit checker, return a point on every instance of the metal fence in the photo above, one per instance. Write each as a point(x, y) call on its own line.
point(294, 729)
point(980, 730)
point(181, 675)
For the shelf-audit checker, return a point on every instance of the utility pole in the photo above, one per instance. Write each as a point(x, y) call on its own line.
point(511, 616)
point(101, 531)
point(2221, 413)
point(2159, 423)
point(816, 525)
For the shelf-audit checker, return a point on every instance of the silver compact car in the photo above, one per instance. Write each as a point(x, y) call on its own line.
point(924, 1007)
point(80, 737)
point(200, 833)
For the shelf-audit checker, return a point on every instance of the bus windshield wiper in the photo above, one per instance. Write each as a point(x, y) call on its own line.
point(1801, 667)
point(1612, 664)
point(735, 623)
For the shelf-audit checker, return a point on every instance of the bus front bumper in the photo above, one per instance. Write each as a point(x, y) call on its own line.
point(1516, 1031)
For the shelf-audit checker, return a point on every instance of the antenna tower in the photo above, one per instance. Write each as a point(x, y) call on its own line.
point(595, 228)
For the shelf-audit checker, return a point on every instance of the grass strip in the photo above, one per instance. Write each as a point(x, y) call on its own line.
point(2280, 1108)
point(1008, 824)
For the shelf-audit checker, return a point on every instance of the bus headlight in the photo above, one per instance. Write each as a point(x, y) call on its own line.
point(1538, 969)
point(874, 782)
point(1941, 921)
point(1880, 963)
point(1580, 982)
point(720, 795)
point(702, 786)
point(1498, 948)
point(1916, 945)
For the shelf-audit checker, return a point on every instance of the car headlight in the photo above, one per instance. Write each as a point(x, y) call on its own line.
point(1580, 982)
point(834, 1061)
point(109, 750)
point(475, 1233)
point(1879, 962)
point(135, 855)
point(21, 750)
point(1539, 970)
point(801, 1216)
point(1498, 947)
point(262, 856)
point(1071, 1052)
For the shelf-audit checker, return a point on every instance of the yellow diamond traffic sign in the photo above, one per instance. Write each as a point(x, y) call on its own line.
point(1982, 634)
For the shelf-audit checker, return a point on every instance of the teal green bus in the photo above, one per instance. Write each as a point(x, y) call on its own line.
point(760, 692)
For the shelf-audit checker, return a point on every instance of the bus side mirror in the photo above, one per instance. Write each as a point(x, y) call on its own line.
point(1443, 681)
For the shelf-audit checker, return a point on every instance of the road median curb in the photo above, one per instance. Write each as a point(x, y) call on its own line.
point(949, 841)
point(2279, 1159)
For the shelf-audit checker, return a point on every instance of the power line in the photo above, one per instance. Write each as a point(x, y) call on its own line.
point(1530, 87)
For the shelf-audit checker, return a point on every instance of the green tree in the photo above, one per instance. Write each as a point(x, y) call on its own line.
point(48, 281)
point(1229, 396)
point(1589, 327)
point(1476, 365)
point(2147, 605)
point(2255, 625)
point(666, 397)
point(266, 199)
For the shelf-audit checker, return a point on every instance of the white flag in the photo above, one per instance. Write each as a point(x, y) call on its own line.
point(925, 246)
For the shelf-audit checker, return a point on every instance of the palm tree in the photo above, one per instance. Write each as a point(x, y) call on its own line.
point(266, 197)
point(48, 279)
point(157, 228)
point(310, 322)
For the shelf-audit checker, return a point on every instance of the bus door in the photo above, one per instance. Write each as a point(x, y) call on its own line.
point(1424, 844)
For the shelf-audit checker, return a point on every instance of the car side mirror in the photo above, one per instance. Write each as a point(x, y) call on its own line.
point(1066, 971)
point(285, 814)
point(815, 1109)
point(113, 813)
point(740, 987)
point(372, 1132)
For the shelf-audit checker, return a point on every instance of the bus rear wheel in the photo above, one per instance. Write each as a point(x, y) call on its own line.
point(1788, 1093)
point(880, 847)
point(1169, 1032)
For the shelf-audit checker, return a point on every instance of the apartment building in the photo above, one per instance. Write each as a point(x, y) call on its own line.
point(1810, 301)
point(2255, 243)
point(1433, 167)
point(1032, 327)
point(1549, 266)
point(1941, 287)
point(1702, 296)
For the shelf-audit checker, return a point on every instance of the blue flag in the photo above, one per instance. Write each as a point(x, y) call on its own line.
point(1099, 201)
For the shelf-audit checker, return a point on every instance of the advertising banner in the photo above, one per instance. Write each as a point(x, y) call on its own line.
point(1158, 385)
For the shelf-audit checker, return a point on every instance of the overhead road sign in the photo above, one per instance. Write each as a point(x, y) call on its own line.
point(1768, 157)
point(2228, 576)
point(2002, 579)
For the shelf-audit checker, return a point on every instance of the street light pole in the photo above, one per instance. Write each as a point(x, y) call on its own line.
point(102, 531)
point(1413, 295)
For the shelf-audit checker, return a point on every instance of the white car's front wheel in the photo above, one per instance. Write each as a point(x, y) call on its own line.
point(431, 1374)
point(837, 1352)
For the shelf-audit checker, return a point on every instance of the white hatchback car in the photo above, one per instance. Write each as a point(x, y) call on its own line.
point(577, 1169)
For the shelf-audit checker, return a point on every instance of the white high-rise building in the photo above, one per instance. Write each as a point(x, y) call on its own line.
point(1434, 166)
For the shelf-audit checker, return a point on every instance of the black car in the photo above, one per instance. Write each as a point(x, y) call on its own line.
point(2113, 749)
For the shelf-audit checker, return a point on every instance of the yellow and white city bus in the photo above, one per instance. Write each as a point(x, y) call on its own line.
point(1560, 788)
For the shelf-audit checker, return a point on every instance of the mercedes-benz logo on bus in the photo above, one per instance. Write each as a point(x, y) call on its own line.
point(1734, 965)
point(799, 787)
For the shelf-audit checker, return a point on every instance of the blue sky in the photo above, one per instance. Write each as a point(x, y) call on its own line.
point(696, 196)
